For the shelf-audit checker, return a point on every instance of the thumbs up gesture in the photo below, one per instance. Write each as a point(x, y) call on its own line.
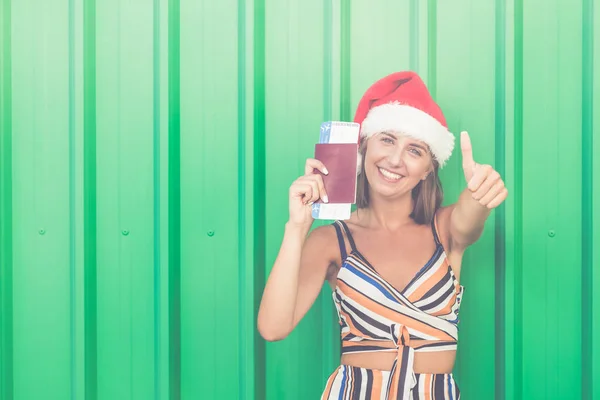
point(483, 181)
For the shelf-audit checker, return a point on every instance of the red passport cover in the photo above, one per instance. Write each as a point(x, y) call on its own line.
point(340, 159)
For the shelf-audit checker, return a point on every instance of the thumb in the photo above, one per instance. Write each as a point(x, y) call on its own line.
point(467, 155)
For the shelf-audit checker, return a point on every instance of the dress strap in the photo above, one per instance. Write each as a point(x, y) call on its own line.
point(435, 230)
point(340, 237)
point(348, 235)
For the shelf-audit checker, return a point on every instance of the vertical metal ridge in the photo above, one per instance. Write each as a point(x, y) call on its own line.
point(587, 223)
point(243, 295)
point(414, 35)
point(432, 47)
point(259, 228)
point(500, 234)
point(518, 196)
point(156, 196)
point(6, 242)
point(327, 116)
point(89, 190)
point(345, 67)
point(174, 203)
point(327, 58)
point(72, 198)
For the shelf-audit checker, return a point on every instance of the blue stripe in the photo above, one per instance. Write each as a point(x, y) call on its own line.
point(450, 386)
point(343, 384)
point(372, 281)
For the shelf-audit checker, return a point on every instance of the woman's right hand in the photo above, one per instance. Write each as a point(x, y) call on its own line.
point(304, 191)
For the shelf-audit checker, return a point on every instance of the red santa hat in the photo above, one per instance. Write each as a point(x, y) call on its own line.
point(401, 103)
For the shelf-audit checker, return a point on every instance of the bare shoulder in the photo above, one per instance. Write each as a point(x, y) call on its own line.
point(322, 236)
point(321, 246)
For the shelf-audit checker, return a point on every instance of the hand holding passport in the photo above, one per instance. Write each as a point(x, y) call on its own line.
point(338, 151)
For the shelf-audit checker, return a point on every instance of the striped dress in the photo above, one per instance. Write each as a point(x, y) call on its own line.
point(376, 317)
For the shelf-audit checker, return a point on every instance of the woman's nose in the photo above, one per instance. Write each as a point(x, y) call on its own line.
point(396, 158)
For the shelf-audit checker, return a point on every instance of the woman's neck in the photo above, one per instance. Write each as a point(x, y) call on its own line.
point(387, 214)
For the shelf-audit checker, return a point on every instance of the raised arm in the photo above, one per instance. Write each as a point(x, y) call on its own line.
point(485, 190)
point(301, 266)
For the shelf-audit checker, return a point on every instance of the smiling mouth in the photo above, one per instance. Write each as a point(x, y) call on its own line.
point(389, 176)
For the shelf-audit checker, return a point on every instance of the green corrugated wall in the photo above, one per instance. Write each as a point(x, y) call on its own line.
point(146, 149)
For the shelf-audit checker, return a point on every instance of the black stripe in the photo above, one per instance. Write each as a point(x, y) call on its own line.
point(395, 310)
point(438, 386)
point(350, 349)
point(381, 281)
point(349, 236)
point(403, 365)
point(435, 344)
point(340, 238)
point(434, 258)
point(367, 319)
point(357, 384)
point(440, 300)
point(438, 285)
point(435, 234)
point(369, 383)
point(415, 393)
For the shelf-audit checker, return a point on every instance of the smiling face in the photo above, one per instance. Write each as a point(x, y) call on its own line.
point(395, 164)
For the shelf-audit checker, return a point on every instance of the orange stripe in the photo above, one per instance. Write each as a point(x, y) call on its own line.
point(376, 390)
point(424, 287)
point(427, 387)
point(448, 307)
point(395, 378)
point(395, 316)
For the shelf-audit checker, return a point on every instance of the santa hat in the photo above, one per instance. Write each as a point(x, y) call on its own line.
point(401, 103)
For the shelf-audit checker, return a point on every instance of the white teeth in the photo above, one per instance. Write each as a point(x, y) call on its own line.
point(389, 175)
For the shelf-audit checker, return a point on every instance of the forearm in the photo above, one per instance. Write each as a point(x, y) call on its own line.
point(276, 313)
point(468, 218)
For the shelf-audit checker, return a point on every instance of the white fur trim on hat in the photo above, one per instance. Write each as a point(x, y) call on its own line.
point(410, 121)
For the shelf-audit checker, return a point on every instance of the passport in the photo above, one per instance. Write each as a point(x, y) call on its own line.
point(340, 159)
point(340, 167)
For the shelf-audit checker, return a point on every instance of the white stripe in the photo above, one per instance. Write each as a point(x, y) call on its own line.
point(434, 296)
point(363, 383)
point(385, 378)
point(359, 265)
point(432, 270)
point(366, 326)
point(368, 290)
point(435, 349)
point(380, 281)
point(374, 294)
point(440, 306)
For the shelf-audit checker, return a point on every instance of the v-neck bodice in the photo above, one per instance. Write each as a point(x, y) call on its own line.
point(375, 316)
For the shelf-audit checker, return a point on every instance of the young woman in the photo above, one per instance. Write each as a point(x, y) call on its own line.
point(394, 266)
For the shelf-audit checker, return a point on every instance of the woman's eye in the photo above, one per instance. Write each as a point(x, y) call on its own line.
point(415, 151)
point(387, 140)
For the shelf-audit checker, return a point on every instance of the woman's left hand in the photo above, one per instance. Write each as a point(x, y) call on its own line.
point(484, 182)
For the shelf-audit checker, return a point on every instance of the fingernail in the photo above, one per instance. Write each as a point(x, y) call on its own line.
point(310, 203)
point(325, 199)
point(325, 171)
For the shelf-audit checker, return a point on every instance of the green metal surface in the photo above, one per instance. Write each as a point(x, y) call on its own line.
point(146, 149)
